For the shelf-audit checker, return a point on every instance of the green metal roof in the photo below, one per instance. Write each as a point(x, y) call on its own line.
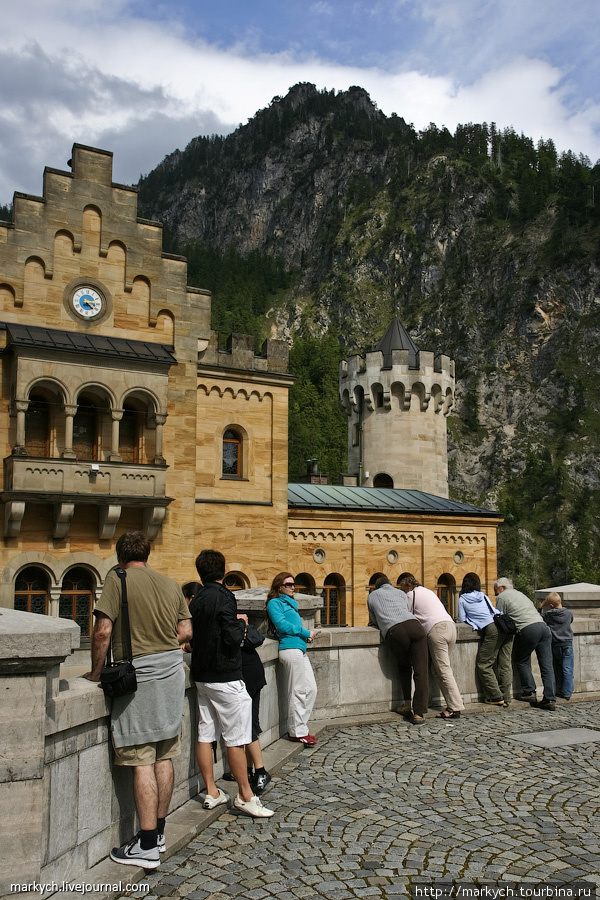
point(391, 500)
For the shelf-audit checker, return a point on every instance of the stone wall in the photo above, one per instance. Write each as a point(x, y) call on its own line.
point(62, 804)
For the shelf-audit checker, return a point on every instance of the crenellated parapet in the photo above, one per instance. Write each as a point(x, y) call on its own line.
point(240, 354)
point(396, 398)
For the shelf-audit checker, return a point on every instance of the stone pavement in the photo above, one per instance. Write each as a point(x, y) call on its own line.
point(374, 810)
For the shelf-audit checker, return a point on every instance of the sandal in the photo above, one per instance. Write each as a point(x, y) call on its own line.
point(449, 714)
point(405, 710)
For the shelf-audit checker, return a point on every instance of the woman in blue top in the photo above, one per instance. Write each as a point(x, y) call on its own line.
point(493, 663)
point(293, 637)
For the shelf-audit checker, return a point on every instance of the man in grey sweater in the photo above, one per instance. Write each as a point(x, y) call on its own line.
point(532, 634)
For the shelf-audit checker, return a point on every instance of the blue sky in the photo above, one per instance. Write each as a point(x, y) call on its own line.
point(144, 78)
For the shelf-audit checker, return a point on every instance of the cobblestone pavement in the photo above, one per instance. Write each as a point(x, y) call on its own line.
point(375, 809)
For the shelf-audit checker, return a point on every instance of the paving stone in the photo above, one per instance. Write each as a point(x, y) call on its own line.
point(472, 804)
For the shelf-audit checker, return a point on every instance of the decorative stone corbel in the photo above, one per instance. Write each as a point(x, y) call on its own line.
point(14, 510)
point(154, 516)
point(108, 517)
point(63, 514)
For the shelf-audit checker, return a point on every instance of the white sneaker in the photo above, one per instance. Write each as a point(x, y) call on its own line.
point(211, 802)
point(161, 843)
point(131, 854)
point(253, 807)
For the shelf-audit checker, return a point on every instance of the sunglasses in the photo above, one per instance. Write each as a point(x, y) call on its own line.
point(289, 584)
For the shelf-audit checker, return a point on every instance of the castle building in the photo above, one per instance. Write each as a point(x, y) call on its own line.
point(118, 410)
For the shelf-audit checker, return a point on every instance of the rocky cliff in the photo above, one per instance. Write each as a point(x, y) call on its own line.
point(486, 245)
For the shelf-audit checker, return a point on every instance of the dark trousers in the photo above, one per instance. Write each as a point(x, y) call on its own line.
point(535, 637)
point(409, 644)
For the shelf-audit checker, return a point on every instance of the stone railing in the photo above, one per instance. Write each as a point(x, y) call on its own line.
point(63, 805)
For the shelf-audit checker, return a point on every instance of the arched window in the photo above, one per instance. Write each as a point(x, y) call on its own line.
point(131, 431)
point(76, 599)
point(378, 396)
point(446, 591)
point(37, 426)
point(85, 429)
point(31, 591)
point(373, 579)
point(305, 584)
point(383, 481)
point(232, 454)
point(333, 611)
point(235, 581)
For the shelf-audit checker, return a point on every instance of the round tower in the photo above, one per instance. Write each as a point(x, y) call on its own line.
point(396, 400)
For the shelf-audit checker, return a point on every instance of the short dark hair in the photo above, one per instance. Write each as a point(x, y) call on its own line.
point(471, 583)
point(133, 546)
point(210, 565)
point(383, 579)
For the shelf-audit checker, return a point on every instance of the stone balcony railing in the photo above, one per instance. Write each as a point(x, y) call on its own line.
point(68, 483)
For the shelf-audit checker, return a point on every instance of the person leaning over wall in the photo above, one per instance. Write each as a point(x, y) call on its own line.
point(441, 638)
point(146, 725)
point(532, 634)
point(493, 663)
point(404, 634)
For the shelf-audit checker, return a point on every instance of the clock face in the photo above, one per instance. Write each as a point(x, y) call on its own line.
point(87, 302)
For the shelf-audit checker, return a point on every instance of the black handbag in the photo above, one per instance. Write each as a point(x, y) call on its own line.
point(503, 622)
point(120, 679)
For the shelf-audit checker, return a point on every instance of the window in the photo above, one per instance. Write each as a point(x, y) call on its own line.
point(131, 432)
point(333, 611)
point(37, 426)
point(85, 430)
point(232, 454)
point(235, 581)
point(77, 598)
point(446, 591)
point(373, 579)
point(383, 481)
point(305, 584)
point(31, 591)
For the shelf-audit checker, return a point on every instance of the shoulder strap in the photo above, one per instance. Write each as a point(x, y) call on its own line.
point(413, 609)
point(490, 607)
point(125, 611)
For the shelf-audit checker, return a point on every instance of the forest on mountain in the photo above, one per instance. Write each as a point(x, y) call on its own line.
point(322, 218)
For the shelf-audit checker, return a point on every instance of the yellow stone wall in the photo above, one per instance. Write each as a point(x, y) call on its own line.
point(358, 547)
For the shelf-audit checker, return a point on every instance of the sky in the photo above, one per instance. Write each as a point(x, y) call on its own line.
point(142, 77)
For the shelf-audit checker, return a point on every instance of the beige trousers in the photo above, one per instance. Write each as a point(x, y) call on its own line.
point(440, 641)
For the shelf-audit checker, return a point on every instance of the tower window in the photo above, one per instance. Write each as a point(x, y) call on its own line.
point(232, 453)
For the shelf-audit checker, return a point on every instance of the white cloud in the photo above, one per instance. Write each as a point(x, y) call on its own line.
point(95, 75)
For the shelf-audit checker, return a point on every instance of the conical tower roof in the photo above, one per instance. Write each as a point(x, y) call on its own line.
point(398, 338)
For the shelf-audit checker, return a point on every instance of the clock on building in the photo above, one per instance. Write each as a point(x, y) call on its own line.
point(87, 302)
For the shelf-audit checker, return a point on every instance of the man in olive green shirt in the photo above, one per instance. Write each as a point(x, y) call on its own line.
point(145, 726)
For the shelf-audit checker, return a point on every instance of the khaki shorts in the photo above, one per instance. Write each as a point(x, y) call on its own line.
point(147, 754)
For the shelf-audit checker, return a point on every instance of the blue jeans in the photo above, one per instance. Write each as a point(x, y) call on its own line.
point(535, 637)
point(564, 663)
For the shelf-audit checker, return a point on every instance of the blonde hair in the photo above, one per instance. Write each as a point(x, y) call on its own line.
point(554, 599)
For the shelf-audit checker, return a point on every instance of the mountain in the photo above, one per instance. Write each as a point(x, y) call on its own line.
point(322, 217)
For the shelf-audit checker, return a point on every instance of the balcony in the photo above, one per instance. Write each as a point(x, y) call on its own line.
point(68, 483)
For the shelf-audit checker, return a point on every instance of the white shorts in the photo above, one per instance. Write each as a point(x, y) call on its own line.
point(224, 710)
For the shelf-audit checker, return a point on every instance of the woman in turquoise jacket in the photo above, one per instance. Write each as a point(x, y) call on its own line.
point(293, 637)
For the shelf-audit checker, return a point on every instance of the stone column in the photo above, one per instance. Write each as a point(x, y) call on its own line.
point(159, 420)
point(31, 650)
point(21, 407)
point(70, 413)
point(117, 415)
